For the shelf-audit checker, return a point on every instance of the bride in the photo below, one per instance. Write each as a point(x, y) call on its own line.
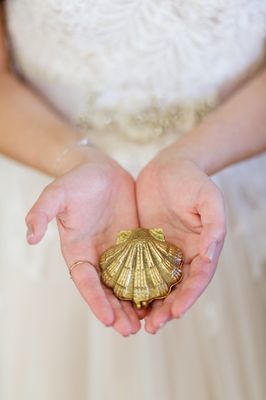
point(130, 108)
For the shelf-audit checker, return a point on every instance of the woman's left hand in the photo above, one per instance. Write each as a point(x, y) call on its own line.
point(174, 194)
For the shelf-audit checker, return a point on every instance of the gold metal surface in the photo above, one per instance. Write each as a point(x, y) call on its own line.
point(141, 266)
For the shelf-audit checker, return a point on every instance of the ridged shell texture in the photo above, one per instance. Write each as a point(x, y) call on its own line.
point(142, 266)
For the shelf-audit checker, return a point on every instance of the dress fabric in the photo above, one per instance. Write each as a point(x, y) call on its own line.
point(133, 76)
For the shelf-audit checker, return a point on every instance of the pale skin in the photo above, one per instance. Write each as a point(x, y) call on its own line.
point(92, 197)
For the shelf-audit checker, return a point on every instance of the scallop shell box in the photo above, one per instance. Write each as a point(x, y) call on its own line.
point(141, 266)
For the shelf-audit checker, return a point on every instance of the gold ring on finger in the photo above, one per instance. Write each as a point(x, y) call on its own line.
point(76, 264)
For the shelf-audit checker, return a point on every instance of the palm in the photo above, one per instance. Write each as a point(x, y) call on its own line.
point(175, 196)
point(92, 204)
point(96, 211)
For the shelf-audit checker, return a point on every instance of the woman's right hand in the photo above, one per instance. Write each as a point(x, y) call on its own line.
point(92, 203)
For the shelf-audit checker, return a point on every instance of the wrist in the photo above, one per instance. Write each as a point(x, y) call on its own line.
point(78, 153)
point(77, 156)
point(203, 146)
point(72, 155)
point(187, 149)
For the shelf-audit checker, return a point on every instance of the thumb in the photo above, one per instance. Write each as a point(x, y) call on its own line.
point(48, 205)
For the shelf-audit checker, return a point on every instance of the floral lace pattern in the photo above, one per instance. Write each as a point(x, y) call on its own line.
point(135, 67)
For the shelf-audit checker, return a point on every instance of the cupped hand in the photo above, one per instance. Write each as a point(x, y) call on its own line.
point(92, 203)
point(174, 194)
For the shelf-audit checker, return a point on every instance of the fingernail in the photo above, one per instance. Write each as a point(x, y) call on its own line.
point(29, 232)
point(150, 331)
point(211, 251)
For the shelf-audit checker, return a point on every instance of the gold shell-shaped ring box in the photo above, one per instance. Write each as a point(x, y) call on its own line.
point(141, 266)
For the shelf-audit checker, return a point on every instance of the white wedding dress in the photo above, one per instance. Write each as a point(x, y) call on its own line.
point(133, 75)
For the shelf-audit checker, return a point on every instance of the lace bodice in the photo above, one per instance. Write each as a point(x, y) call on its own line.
point(140, 69)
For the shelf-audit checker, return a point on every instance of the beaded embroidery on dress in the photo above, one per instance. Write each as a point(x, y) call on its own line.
point(136, 67)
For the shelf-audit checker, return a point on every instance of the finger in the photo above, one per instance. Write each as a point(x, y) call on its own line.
point(132, 316)
point(198, 278)
point(150, 327)
point(121, 322)
point(87, 280)
point(161, 316)
point(48, 205)
point(213, 231)
point(142, 312)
